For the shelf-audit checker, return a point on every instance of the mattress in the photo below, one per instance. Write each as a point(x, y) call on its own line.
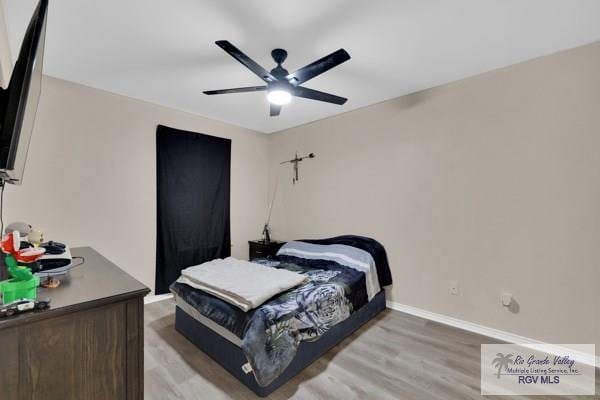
point(191, 311)
point(233, 359)
point(271, 333)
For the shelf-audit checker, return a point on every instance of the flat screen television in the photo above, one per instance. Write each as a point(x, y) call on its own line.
point(19, 101)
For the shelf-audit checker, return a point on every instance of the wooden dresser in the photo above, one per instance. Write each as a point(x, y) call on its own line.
point(87, 346)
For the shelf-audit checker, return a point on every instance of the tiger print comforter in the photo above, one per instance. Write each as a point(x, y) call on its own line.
point(272, 332)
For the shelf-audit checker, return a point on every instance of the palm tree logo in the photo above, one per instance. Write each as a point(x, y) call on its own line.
point(502, 361)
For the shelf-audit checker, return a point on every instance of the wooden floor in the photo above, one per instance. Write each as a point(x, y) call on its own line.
point(395, 356)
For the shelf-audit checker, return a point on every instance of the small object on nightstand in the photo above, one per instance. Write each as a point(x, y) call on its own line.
point(266, 234)
point(262, 249)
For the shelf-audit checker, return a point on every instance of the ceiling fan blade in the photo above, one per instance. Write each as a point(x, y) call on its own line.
point(246, 61)
point(318, 67)
point(237, 90)
point(275, 110)
point(316, 95)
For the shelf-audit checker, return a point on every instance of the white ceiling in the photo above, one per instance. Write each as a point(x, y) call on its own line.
point(163, 51)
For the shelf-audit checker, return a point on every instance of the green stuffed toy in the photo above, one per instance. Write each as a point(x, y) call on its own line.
point(22, 283)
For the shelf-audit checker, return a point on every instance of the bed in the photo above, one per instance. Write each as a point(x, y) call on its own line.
point(268, 345)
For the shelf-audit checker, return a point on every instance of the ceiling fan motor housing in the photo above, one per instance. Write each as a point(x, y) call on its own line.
point(279, 55)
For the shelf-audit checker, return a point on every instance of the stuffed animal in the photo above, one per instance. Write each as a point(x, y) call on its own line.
point(23, 284)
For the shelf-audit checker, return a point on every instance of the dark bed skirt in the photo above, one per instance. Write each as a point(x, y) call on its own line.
point(231, 357)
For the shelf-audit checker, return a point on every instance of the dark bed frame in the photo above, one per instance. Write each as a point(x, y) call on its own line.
point(231, 357)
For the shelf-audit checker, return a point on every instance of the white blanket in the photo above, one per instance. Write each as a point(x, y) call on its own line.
point(243, 284)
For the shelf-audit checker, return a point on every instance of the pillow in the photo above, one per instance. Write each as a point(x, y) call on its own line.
point(348, 256)
point(371, 246)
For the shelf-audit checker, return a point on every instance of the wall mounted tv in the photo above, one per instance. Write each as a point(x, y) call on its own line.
point(19, 101)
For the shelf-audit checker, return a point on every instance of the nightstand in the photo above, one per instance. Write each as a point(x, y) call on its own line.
point(260, 249)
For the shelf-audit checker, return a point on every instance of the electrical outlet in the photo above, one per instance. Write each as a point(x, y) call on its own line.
point(453, 287)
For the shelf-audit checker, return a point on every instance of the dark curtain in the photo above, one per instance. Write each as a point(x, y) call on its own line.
point(193, 185)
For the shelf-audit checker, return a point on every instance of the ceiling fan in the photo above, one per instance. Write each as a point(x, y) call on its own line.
point(280, 84)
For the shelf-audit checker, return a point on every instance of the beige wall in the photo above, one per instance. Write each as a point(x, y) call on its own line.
point(5, 59)
point(493, 181)
point(91, 174)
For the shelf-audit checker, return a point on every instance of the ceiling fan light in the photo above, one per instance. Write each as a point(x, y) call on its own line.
point(279, 97)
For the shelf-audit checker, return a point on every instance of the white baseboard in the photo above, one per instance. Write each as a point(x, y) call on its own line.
point(504, 336)
point(153, 298)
